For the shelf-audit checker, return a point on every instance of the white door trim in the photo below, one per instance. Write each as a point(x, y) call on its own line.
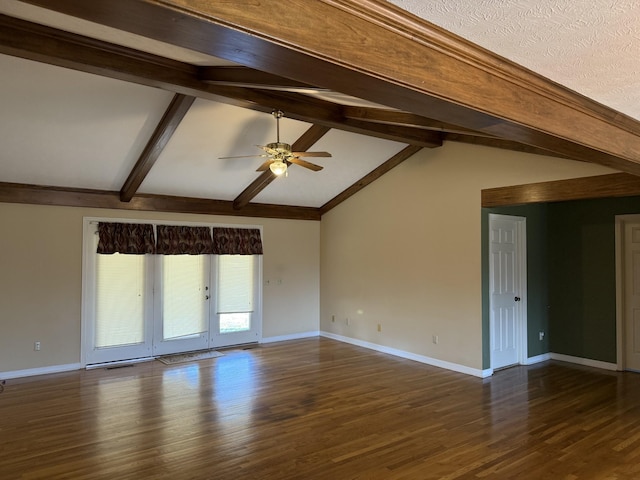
point(521, 306)
point(620, 222)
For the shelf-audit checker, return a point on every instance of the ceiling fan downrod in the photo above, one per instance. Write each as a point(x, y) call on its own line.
point(278, 114)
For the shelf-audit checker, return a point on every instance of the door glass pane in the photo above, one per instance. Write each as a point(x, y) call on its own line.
point(235, 283)
point(184, 294)
point(119, 300)
point(235, 322)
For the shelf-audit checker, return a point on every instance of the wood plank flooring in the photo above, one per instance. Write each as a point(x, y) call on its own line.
point(320, 409)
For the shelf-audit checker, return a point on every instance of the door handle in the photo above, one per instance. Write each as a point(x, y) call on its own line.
point(206, 297)
point(516, 299)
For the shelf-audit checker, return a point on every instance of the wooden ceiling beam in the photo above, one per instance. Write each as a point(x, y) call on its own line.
point(74, 197)
point(44, 44)
point(398, 118)
point(306, 141)
point(178, 108)
point(502, 144)
point(600, 186)
point(432, 73)
point(251, 78)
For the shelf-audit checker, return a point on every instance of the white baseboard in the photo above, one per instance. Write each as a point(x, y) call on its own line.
point(408, 355)
point(30, 372)
point(293, 336)
point(537, 359)
point(94, 366)
point(584, 361)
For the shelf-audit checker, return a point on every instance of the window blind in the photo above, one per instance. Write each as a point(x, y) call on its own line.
point(235, 283)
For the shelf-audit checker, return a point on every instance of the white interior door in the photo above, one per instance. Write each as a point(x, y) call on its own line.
point(631, 296)
point(507, 287)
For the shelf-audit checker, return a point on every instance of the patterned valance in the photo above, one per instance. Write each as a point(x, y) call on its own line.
point(237, 241)
point(128, 238)
point(182, 240)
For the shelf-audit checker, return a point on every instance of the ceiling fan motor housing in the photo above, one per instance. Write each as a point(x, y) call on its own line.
point(283, 148)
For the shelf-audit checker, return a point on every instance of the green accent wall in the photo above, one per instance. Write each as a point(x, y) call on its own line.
point(582, 283)
point(571, 289)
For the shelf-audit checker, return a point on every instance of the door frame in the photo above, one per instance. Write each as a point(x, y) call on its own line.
point(620, 224)
point(521, 307)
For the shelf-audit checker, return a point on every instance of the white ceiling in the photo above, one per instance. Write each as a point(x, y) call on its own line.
point(590, 46)
point(65, 128)
point(59, 127)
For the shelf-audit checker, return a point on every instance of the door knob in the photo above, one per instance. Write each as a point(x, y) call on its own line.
point(206, 297)
point(516, 299)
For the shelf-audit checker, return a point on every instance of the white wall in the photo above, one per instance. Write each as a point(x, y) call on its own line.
point(41, 279)
point(405, 251)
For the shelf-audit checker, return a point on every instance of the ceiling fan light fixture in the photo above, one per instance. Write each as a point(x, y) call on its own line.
point(278, 167)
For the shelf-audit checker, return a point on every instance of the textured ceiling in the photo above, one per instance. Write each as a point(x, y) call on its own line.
point(590, 46)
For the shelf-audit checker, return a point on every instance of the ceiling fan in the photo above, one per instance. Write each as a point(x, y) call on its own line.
point(279, 155)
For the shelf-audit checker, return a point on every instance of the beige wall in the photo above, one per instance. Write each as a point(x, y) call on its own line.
point(405, 252)
point(41, 279)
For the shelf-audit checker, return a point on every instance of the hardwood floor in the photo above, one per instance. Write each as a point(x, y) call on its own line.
point(320, 409)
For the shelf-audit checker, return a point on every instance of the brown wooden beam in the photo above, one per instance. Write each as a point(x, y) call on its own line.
point(398, 118)
point(432, 73)
point(329, 114)
point(600, 186)
point(178, 108)
point(306, 141)
point(73, 197)
point(372, 176)
point(44, 44)
point(502, 144)
point(251, 78)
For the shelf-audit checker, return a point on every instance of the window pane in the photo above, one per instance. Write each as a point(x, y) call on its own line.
point(235, 322)
point(119, 300)
point(183, 295)
point(235, 283)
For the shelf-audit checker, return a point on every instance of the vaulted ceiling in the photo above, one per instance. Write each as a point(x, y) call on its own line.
point(131, 103)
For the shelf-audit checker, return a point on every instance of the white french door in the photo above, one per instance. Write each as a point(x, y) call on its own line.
point(205, 301)
point(237, 315)
point(182, 303)
point(137, 306)
point(117, 304)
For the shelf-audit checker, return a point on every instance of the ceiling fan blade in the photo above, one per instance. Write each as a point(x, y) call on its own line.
point(311, 154)
point(305, 164)
point(243, 156)
point(264, 166)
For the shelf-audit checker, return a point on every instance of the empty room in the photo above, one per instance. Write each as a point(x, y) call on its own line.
point(319, 240)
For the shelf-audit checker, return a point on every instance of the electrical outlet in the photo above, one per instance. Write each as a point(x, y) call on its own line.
point(346, 321)
point(435, 339)
point(36, 346)
point(333, 318)
point(541, 336)
point(379, 327)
